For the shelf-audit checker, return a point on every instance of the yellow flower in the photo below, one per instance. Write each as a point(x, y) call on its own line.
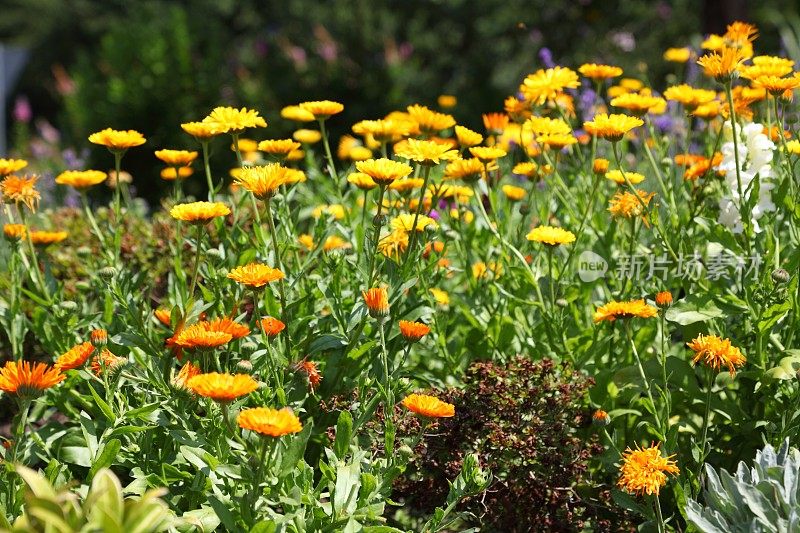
point(172, 173)
point(307, 136)
point(20, 190)
point(334, 242)
point(222, 387)
point(775, 85)
point(722, 65)
point(297, 114)
point(689, 96)
point(17, 232)
point(46, 238)
point(322, 109)
point(717, 352)
point(551, 236)
point(334, 210)
point(406, 184)
point(556, 141)
point(446, 101)
point(466, 137)
point(278, 147)
point(362, 181)
point(26, 379)
point(428, 406)
point(306, 241)
point(75, 356)
point(377, 301)
point(793, 147)
point(430, 121)
point(528, 169)
point(629, 309)
point(255, 275)
point(513, 193)
point(270, 422)
point(627, 205)
point(597, 72)
point(199, 212)
point(176, 158)
point(546, 125)
point(611, 127)
point(394, 244)
point(441, 297)
point(405, 222)
point(487, 154)
point(81, 179)
point(546, 85)
point(384, 171)
point(359, 153)
point(384, 130)
point(9, 166)
point(600, 166)
point(481, 270)
point(201, 131)
point(707, 111)
point(117, 141)
point(638, 104)
point(767, 66)
point(677, 55)
point(616, 176)
point(644, 470)
point(425, 152)
point(263, 181)
point(468, 170)
point(234, 121)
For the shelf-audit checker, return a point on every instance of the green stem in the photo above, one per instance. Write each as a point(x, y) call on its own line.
point(328, 154)
point(377, 222)
point(645, 381)
point(196, 267)
point(282, 282)
point(207, 167)
point(659, 517)
point(706, 415)
point(413, 240)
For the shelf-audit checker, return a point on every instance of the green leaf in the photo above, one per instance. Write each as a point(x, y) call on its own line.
point(694, 308)
point(294, 452)
point(106, 457)
point(104, 407)
point(344, 434)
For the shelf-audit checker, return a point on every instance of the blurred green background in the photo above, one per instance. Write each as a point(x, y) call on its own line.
point(152, 64)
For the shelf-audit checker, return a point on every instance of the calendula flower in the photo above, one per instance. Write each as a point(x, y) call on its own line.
point(413, 331)
point(173, 173)
point(20, 190)
point(405, 185)
point(677, 55)
point(447, 101)
point(271, 326)
point(176, 158)
point(611, 127)
point(99, 337)
point(616, 176)
point(270, 422)
point(187, 372)
point(495, 123)
point(708, 111)
point(430, 121)
point(297, 114)
point(467, 138)
point(596, 72)
point(629, 309)
point(767, 66)
point(716, 352)
point(722, 65)
point(222, 388)
point(278, 147)
point(394, 244)
point(309, 368)
point(546, 85)
point(664, 299)
point(425, 152)
point(441, 297)
point(486, 154)
point(164, 316)
point(107, 362)
point(334, 210)
point(263, 181)
point(14, 232)
point(405, 222)
point(9, 166)
point(81, 179)
point(255, 275)
point(384, 130)
point(481, 270)
point(307, 136)
point(600, 418)
point(557, 141)
point(245, 145)
point(201, 131)
point(228, 325)
point(46, 238)
point(322, 109)
point(200, 336)
point(334, 242)
point(514, 193)
point(377, 302)
point(689, 96)
point(644, 470)
point(117, 141)
point(793, 147)
point(636, 103)
point(428, 406)
point(546, 126)
point(600, 166)
point(362, 181)
point(627, 205)
point(529, 169)
point(551, 236)
point(775, 85)
point(28, 380)
point(199, 212)
point(74, 357)
point(384, 171)
point(234, 121)
point(469, 170)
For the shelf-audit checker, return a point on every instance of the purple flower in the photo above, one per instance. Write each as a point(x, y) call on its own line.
point(434, 214)
point(546, 57)
point(664, 123)
point(22, 110)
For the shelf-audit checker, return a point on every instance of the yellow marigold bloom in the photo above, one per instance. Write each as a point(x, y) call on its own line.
point(245, 145)
point(384, 130)
point(116, 140)
point(596, 72)
point(428, 406)
point(466, 137)
point(384, 171)
point(271, 326)
point(518, 110)
point(616, 176)
point(346, 144)
point(716, 352)
point(377, 301)
point(296, 155)
point(600, 165)
point(81, 179)
point(514, 193)
point(636, 103)
point(106, 361)
point(413, 331)
point(631, 84)
point(199, 212)
point(187, 372)
point(75, 356)
point(629, 309)
point(334, 242)
point(405, 222)
point(362, 181)
point(46, 238)
point(611, 127)
point(430, 121)
point(551, 236)
point(278, 147)
point(689, 96)
point(263, 181)
point(495, 123)
point(644, 470)
point(627, 205)
point(173, 173)
point(394, 244)
point(441, 297)
point(557, 141)
point(270, 422)
point(20, 190)
point(307, 136)
point(322, 109)
point(775, 85)
point(722, 65)
point(741, 32)
point(297, 114)
point(27, 379)
point(306, 241)
point(464, 169)
point(708, 111)
point(334, 210)
point(767, 66)
point(200, 336)
point(487, 154)
point(482, 270)
point(446, 101)
point(359, 153)
point(176, 158)
point(528, 169)
point(545, 85)
point(222, 388)
point(230, 326)
point(255, 275)
point(425, 152)
point(793, 147)
point(664, 299)
point(546, 126)
point(406, 184)
point(9, 166)
point(234, 121)
point(201, 131)
point(17, 232)
point(677, 55)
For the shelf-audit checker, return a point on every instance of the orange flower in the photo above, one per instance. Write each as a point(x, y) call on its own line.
point(199, 335)
point(117, 141)
point(199, 212)
point(227, 325)
point(413, 331)
point(255, 275)
point(99, 337)
point(596, 72)
point(428, 406)
point(46, 238)
point(164, 316)
point(270, 422)
point(75, 356)
point(311, 370)
point(106, 361)
point(377, 300)
point(717, 352)
point(600, 166)
point(664, 299)
point(278, 147)
point(644, 470)
point(27, 379)
point(20, 190)
point(495, 123)
point(187, 372)
point(14, 232)
point(222, 387)
point(272, 326)
point(633, 308)
point(601, 418)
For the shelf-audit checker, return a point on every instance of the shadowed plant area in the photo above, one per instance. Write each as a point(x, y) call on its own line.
point(418, 267)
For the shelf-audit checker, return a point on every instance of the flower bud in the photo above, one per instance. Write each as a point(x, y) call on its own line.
point(68, 306)
point(561, 302)
point(601, 418)
point(244, 366)
point(664, 299)
point(99, 338)
point(107, 273)
point(600, 166)
point(780, 275)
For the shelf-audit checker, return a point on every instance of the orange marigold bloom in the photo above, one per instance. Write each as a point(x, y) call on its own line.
point(99, 337)
point(775, 85)
point(187, 372)
point(46, 238)
point(722, 65)
point(14, 232)
point(176, 158)
point(255, 275)
point(626, 204)
point(9, 166)
point(600, 166)
point(495, 123)
point(413, 331)
point(278, 147)
point(271, 326)
point(428, 406)
point(322, 109)
point(116, 140)
point(644, 470)
point(601, 418)
point(228, 325)
point(234, 121)
point(629, 309)
point(164, 316)
point(27, 379)
point(200, 336)
point(717, 352)
point(311, 370)
point(222, 387)
point(664, 299)
point(377, 301)
point(199, 212)
point(81, 179)
point(20, 190)
point(106, 361)
point(270, 422)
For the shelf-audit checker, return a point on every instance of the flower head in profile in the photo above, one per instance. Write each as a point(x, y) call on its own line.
point(297, 114)
point(263, 181)
point(28, 380)
point(9, 166)
point(612, 127)
point(201, 336)
point(430, 121)
point(322, 109)
point(81, 179)
point(775, 85)
point(15, 232)
point(495, 123)
point(75, 357)
point(723, 64)
point(46, 238)
point(20, 190)
point(199, 212)
point(413, 331)
point(514, 193)
point(469, 170)
point(596, 72)
point(428, 406)
point(551, 236)
point(311, 370)
point(280, 148)
point(362, 181)
point(644, 470)
point(271, 326)
point(230, 326)
point(487, 154)
point(201, 131)
point(601, 418)
point(394, 244)
point(176, 158)
point(546, 85)
point(425, 152)
point(175, 173)
point(627, 205)
point(164, 316)
point(270, 422)
point(664, 299)
point(557, 141)
point(467, 138)
point(636, 103)
point(107, 362)
point(234, 121)
point(405, 222)
point(384, 171)
point(690, 97)
point(677, 55)
point(116, 140)
point(187, 372)
point(716, 352)
point(629, 309)
point(441, 297)
point(222, 388)
point(377, 302)
point(384, 130)
point(255, 275)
